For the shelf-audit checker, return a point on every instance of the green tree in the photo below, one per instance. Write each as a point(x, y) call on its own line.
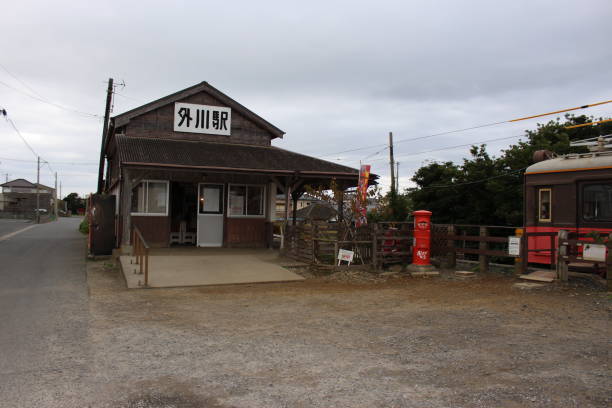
point(489, 190)
point(74, 202)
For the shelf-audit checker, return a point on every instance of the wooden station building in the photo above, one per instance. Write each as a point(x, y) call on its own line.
point(198, 168)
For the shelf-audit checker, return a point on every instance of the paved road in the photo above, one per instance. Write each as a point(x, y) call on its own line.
point(8, 226)
point(44, 345)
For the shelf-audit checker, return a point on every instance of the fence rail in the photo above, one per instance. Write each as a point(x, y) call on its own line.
point(380, 244)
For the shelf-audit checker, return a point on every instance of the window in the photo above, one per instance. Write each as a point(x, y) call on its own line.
point(150, 198)
point(597, 202)
point(544, 205)
point(246, 200)
point(211, 199)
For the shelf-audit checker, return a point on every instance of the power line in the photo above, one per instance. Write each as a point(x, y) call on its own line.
point(44, 100)
point(52, 162)
point(468, 128)
point(9, 120)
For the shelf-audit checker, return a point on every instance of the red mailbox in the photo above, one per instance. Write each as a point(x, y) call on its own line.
point(421, 250)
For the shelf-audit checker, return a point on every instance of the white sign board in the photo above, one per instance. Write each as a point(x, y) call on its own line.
point(212, 120)
point(514, 246)
point(594, 252)
point(345, 255)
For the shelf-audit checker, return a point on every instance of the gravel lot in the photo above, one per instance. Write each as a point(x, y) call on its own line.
point(402, 342)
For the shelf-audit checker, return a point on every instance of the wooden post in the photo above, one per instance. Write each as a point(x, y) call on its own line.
point(313, 239)
point(335, 253)
point(562, 267)
point(483, 246)
point(553, 248)
point(518, 261)
point(451, 260)
point(375, 246)
point(609, 262)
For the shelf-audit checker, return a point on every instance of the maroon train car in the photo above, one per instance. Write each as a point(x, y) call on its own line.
point(572, 192)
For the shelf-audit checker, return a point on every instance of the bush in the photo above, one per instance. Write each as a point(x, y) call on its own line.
point(84, 226)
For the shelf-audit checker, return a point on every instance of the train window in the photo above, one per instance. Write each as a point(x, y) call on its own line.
point(597, 202)
point(544, 207)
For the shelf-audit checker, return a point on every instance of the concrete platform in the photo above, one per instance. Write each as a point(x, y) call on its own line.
point(176, 267)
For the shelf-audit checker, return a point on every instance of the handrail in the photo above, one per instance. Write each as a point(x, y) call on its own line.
point(140, 251)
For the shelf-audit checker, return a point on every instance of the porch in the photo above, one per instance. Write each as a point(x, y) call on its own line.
point(193, 266)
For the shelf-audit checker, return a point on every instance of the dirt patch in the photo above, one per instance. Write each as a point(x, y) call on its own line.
point(393, 342)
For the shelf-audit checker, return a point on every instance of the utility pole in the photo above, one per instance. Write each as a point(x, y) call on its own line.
point(109, 98)
point(6, 177)
point(55, 198)
point(391, 161)
point(397, 177)
point(38, 190)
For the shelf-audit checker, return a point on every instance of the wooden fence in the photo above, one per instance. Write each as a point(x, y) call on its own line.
point(385, 243)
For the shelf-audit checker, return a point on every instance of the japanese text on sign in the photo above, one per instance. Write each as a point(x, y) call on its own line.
point(215, 120)
point(514, 246)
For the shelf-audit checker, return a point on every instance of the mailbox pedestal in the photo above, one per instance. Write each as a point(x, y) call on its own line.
point(421, 248)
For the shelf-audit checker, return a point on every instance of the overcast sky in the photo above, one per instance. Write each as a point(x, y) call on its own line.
point(334, 75)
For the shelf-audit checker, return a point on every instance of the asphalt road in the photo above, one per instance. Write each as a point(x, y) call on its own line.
point(44, 345)
point(7, 226)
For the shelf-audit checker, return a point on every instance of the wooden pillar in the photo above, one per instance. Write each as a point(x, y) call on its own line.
point(484, 259)
point(609, 262)
point(295, 196)
point(341, 206)
point(125, 208)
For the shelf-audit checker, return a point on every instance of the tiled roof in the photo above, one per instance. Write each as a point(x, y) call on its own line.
point(206, 155)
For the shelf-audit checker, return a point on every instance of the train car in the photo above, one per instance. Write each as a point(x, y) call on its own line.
point(572, 192)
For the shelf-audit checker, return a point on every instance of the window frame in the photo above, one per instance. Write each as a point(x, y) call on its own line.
point(582, 187)
point(246, 201)
point(550, 201)
point(221, 196)
point(146, 199)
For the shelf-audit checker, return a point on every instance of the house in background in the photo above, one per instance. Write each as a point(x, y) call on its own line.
point(19, 197)
point(198, 168)
point(304, 201)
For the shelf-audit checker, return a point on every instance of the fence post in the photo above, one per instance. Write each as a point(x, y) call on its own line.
point(484, 259)
point(562, 267)
point(609, 262)
point(451, 260)
point(314, 236)
point(518, 261)
point(375, 246)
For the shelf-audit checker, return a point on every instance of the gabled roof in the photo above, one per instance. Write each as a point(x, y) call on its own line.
point(124, 118)
point(169, 153)
point(19, 183)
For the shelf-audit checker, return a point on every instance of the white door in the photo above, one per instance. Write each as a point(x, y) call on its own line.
point(210, 215)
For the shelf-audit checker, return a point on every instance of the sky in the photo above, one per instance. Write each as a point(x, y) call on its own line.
point(334, 75)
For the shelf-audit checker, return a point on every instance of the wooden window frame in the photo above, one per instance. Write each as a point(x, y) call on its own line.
point(148, 214)
point(263, 199)
point(550, 200)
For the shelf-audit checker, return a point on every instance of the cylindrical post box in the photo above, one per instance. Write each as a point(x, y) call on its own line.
point(421, 250)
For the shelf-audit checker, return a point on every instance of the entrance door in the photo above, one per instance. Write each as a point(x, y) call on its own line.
point(210, 215)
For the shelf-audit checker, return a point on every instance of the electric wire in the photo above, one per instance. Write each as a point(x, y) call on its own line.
point(468, 128)
point(57, 105)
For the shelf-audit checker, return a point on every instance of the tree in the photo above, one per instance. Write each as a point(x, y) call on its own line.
point(74, 202)
point(487, 190)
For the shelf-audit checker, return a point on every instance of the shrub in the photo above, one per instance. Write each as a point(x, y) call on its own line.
point(84, 226)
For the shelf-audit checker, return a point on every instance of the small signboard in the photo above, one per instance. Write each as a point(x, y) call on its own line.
point(213, 120)
point(514, 246)
point(345, 255)
point(594, 252)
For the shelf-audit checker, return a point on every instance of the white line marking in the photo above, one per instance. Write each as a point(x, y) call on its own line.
point(12, 234)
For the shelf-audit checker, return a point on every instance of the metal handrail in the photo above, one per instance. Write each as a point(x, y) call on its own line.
point(140, 252)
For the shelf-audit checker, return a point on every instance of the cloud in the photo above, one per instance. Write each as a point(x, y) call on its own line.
point(333, 75)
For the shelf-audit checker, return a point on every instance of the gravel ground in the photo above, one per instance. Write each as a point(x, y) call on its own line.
point(392, 342)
